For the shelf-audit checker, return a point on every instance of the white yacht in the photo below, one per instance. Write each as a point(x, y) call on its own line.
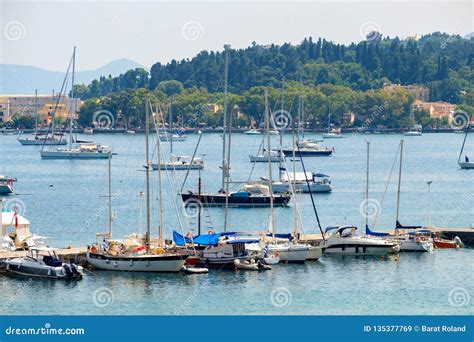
point(6, 185)
point(275, 157)
point(253, 132)
point(465, 163)
point(318, 182)
point(343, 241)
point(180, 163)
point(43, 262)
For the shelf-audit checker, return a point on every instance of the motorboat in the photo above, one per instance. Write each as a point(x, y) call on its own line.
point(274, 157)
point(333, 135)
point(180, 163)
point(43, 262)
point(250, 195)
point(440, 243)
point(253, 132)
point(413, 133)
point(6, 185)
point(344, 241)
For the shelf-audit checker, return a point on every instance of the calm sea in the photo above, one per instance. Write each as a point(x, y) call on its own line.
point(66, 201)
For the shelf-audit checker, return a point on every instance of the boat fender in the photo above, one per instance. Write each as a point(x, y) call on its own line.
point(210, 232)
point(93, 249)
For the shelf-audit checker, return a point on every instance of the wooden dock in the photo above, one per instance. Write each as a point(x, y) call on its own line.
point(70, 254)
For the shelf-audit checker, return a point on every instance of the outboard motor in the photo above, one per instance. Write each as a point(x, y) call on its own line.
point(75, 271)
point(68, 270)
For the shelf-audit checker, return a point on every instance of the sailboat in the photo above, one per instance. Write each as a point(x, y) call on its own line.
point(414, 130)
point(75, 150)
point(466, 163)
point(134, 253)
point(334, 133)
point(414, 241)
point(287, 250)
point(42, 138)
point(179, 162)
point(250, 195)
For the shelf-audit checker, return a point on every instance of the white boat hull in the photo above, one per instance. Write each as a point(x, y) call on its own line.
point(152, 263)
point(291, 253)
point(413, 246)
point(73, 155)
point(354, 250)
point(179, 167)
point(333, 136)
point(6, 189)
point(301, 187)
point(314, 253)
point(412, 134)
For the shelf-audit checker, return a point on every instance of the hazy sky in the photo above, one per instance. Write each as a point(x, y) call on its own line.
point(43, 33)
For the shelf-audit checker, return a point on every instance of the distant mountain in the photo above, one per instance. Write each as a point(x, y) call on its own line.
point(24, 79)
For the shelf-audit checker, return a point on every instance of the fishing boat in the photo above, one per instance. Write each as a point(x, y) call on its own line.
point(43, 262)
point(74, 150)
point(344, 241)
point(465, 163)
point(136, 253)
point(218, 249)
point(440, 243)
point(6, 185)
point(253, 132)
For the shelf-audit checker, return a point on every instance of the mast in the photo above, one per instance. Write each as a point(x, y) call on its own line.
point(36, 112)
point(225, 162)
point(463, 142)
point(72, 96)
point(110, 193)
point(270, 178)
point(329, 117)
point(282, 131)
point(399, 180)
point(199, 202)
point(293, 189)
point(367, 187)
point(224, 120)
point(160, 193)
point(147, 173)
point(52, 123)
point(171, 127)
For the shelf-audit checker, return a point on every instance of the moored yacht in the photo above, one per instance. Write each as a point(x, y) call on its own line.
point(6, 185)
point(180, 163)
point(343, 241)
point(43, 262)
point(309, 148)
point(302, 182)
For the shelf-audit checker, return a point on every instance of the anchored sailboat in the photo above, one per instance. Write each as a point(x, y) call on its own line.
point(466, 163)
point(135, 254)
point(75, 150)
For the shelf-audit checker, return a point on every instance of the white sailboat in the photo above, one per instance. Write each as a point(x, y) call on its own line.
point(75, 150)
point(42, 138)
point(179, 162)
point(332, 133)
point(134, 253)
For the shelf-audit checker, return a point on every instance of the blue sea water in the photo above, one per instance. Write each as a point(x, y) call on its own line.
point(66, 201)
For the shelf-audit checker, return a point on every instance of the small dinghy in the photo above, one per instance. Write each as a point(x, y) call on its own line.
point(251, 265)
point(271, 259)
point(43, 262)
point(194, 270)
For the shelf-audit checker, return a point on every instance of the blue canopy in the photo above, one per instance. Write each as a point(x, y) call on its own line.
point(282, 236)
point(320, 175)
point(369, 232)
point(232, 242)
point(203, 239)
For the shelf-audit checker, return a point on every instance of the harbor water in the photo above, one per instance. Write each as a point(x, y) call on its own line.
point(66, 201)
